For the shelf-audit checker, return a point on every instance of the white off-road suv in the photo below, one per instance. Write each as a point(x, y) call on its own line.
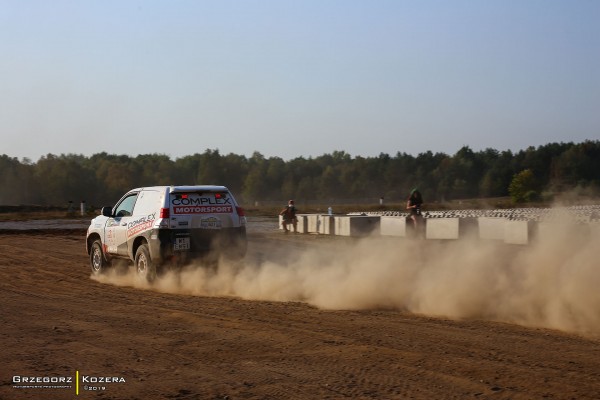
point(167, 225)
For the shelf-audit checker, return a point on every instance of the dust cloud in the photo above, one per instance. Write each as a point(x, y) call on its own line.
point(552, 283)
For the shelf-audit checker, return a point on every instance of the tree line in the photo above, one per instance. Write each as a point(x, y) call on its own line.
point(103, 178)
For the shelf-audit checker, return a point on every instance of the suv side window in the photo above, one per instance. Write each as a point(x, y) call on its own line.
point(149, 201)
point(125, 207)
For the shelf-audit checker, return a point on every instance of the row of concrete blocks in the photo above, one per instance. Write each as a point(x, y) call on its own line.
point(486, 228)
point(583, 213)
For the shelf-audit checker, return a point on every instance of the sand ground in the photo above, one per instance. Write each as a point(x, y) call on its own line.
point(56, 321)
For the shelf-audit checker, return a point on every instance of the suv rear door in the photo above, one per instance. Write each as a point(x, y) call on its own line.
point(206, 208)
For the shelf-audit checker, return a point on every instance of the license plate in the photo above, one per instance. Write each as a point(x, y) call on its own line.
point(182, 243)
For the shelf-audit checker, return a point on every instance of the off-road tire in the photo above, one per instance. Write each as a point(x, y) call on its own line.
point(98, 261)
point(144, 266)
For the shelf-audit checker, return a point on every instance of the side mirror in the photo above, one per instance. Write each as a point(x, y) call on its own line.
point(107, 211)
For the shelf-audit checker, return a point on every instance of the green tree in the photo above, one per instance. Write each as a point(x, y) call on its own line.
point(153, 170)
point(17, 183)
point(234, 171)
point(63, 178)
point(523, 188)
point(254, 184)
point(329, 183)
point(115, 174)
point(498, 173)
point(210, 168)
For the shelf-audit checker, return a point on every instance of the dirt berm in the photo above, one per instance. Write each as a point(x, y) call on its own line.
point(274, 328)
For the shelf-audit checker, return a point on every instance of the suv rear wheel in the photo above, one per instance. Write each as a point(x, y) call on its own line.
point(143, 263)
point(97, 260)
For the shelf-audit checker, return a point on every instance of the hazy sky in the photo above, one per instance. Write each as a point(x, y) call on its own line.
point(296, 78)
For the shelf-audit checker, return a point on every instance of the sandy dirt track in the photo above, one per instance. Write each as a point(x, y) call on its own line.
point(56, 321)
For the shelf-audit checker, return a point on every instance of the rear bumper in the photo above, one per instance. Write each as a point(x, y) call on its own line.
point(228, 242)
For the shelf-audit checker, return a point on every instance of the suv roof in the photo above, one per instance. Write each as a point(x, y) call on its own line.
point(175, 188)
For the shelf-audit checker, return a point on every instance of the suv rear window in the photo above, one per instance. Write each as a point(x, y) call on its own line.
point(202, 203)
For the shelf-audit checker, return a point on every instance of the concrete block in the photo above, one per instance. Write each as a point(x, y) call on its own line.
point(392, 226)
point(442, 228)
point(549, 231)
point(326, 225)
point(356, 225)
point(491, 228)
point(517, 232)
point(312, 223)
point(302, 224)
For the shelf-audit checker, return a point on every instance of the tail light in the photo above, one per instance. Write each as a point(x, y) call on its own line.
point(240, 211)
point(164, 213)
